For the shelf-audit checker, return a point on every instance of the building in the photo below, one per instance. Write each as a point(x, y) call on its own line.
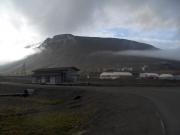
point(149, 75)
point(55, 75)
point(166, 77)
point(115, 75)
point(177, 77)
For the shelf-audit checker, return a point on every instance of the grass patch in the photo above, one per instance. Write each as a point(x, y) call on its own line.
point(34, 100)
point(46, 123)
point(5, 111)
point(44, 101)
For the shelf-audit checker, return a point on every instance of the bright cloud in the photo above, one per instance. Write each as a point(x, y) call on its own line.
point(15, 34)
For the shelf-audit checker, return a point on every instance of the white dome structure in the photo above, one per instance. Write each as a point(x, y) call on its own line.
point(115, 75)
point(166, 77)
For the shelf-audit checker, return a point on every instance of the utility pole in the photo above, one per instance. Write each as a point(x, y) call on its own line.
point(23, 69)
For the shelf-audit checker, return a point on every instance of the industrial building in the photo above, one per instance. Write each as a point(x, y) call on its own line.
point(177, 77)
point(149, 76)
point(166, 77)
point(55, 75)
point(115, 75)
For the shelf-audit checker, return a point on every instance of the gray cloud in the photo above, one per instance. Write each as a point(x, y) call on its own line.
point(58, 16)
point(74, 16)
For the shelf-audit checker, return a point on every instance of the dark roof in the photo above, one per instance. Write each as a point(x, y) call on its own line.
point(56, 69)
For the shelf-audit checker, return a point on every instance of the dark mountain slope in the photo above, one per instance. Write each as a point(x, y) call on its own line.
point(92, 44)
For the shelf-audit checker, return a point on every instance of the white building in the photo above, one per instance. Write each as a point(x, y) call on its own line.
point(115, 75)
point(177, 77)
point(166, 77)
point(149, 75)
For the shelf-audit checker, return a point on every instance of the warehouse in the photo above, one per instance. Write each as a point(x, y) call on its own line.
point(149, 75)
point(55, 75)
point(166, 77)
point(115, 75)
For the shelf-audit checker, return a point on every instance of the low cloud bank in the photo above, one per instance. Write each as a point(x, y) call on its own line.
point(173, 54)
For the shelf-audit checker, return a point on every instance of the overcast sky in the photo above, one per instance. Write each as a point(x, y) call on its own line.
point(24, 22)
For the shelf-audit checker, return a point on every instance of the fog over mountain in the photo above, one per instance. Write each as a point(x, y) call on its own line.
point(172, 54)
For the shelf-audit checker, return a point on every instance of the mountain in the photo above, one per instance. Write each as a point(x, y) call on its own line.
point(87, 53)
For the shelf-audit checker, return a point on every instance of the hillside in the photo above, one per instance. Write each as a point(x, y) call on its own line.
point(87, 53)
